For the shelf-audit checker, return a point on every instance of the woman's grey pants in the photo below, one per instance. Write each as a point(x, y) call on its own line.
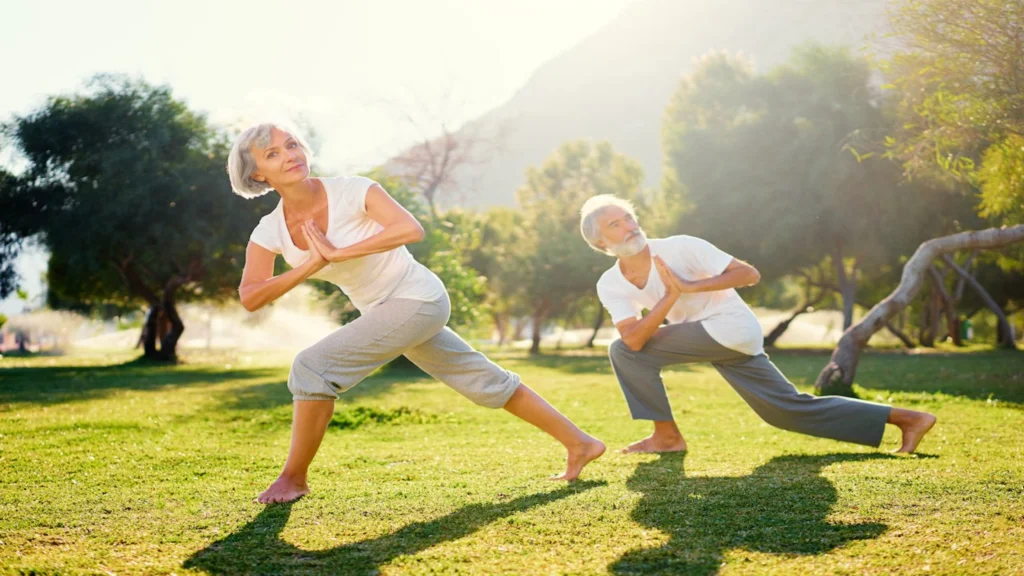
point(387, 331)
point(755, 378)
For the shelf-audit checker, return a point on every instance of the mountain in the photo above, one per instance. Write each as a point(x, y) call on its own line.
point(615, 84)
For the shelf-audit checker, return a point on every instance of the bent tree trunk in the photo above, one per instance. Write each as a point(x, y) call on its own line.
point(1007, 338)
point(781, 328)
point(837, 376)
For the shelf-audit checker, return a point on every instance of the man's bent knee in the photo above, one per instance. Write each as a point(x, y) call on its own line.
point(618, 350)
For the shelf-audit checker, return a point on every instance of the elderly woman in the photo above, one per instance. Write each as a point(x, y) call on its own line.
point(347, 230)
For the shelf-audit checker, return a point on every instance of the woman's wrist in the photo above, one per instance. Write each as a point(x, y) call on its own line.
point(339, 255)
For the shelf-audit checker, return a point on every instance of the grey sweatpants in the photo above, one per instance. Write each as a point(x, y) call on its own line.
point(391, 329)
point(755, 378)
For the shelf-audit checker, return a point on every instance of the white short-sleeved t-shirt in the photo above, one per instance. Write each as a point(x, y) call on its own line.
point(725, 315)
point(368, 280)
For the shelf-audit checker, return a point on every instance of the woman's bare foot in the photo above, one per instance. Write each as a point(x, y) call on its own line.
point(580, 456)
point(284, 489)
point(656, 443)
point(914, 427)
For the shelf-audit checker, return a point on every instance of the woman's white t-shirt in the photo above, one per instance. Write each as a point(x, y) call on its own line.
point(725, 315)
point(368, 280)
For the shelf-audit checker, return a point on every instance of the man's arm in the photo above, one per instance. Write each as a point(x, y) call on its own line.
point(736, 275)
point(635, 333)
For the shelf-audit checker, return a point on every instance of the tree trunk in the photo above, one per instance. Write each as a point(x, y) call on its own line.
point(780, 329)
point(899, 334)
point(948, 305)
point(1007, 339)
point(934, 304)
point(517, 329)
point(540, 313)
point(837, 376)
point(535, 346)
point(598, 322)
point(847, 284)
point(169, 341)
point(149, 331)
point(501, 325)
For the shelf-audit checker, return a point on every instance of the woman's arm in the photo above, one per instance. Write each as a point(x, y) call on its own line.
point(400, 228)
point(260, 287)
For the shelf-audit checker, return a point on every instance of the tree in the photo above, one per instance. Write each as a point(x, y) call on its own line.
point(959, 73)
point(837, 376)
point(431, 167)
point(561, 267)
point(501, 255)
point(775, 169)
point(126, 187)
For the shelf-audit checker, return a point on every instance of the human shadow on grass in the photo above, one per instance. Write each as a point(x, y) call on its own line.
point(257, 547)
point(60, 384)
point(781, 508)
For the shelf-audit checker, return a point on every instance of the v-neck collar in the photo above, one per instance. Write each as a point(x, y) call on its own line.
point(650, 274)
point(284, 221)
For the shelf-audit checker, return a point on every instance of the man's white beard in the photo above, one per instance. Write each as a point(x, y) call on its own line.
point(630, 247)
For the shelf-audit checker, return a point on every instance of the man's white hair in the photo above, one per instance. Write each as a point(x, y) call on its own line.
point(592, 209)
point(241, 164)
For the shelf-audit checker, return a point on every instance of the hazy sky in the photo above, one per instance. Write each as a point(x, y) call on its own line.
point(354, 70)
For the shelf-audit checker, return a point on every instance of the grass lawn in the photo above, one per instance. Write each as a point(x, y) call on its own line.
point(108, 467)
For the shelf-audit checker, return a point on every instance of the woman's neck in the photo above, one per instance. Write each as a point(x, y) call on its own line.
point(299, 198)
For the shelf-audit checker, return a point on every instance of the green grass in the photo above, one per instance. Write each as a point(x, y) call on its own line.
point(112, 467)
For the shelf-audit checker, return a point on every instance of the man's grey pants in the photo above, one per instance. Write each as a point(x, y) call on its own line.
point(755, 378)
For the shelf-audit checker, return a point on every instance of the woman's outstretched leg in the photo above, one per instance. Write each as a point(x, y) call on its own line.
point(582, 448)
point(451, 360)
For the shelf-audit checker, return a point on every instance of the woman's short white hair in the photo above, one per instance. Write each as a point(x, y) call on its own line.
point(592, 209)
point(241, 164)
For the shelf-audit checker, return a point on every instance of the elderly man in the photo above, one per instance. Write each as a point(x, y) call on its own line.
point(691, 283)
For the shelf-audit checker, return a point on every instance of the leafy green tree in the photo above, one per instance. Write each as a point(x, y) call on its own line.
point(777, 169)
point(126, 188)
point(561, 268)
point(959, 75)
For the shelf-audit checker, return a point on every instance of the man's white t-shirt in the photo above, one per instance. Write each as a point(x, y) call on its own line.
point(723, 313)
point(368, 280)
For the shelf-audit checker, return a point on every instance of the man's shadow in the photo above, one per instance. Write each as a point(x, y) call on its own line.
point(258, 549)
point(780, 508)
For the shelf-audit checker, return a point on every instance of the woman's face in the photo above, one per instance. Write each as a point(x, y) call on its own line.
point(282, 162)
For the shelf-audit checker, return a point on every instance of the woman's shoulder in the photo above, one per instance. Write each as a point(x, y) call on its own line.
point(267, 230)
point(349, 189)
point(347, 183)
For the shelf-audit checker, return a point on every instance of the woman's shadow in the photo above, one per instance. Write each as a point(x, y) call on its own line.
point(258, 549)
point(781, 508)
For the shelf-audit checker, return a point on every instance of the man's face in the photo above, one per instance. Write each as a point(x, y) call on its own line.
point(620, 232)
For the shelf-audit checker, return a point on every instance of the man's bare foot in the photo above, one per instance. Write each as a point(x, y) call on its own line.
point(284, 489)
point(656, 443)
point(914, 430)
point(580, 456)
